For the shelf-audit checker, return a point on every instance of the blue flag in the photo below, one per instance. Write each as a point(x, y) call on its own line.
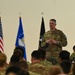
point(20, 38)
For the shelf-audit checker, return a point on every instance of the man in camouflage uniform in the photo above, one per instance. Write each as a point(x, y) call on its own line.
point(36, 66)
point(3, 63)
point(44, 62)
point(53, 41)
point(73, 55)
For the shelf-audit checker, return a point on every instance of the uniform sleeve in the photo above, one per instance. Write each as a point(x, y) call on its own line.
point(63, 41)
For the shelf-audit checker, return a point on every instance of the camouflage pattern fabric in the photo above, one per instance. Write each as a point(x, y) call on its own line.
point(53, 50)
point(38, 68)
point(2, 72)
point(33, 73)
point(46, 63)
point(73, 56)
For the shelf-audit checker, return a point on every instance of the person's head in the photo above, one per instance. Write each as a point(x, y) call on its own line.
point(66, 66)
point(35, 56)
point(3, 59)
point(18, 53)
point(42, 53)
point(74, 48)
point(64, 55)
point(23, 65)
point(14, 60)
point(13, 70)
point(52, 24)
point(20, 49)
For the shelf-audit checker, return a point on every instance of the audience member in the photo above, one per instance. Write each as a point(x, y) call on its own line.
point(3, 63)
point(13, 70)
point(14, 60)
point(43, 58)
point(20, 52)
point(66, 66)
point(24, 66)
point(73, 55)
point(35, 65)
point(65, 62)
point(64, 55)
point(55, 70)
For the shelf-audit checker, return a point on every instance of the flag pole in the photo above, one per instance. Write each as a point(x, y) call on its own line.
point(42, 14)
point(19, 14)
point(42, 30)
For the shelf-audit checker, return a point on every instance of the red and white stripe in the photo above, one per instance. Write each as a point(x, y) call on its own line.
point(1, 45)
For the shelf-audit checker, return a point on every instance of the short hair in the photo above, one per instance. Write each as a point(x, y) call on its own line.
point(3, 59)
point(74, 47)
point(21, 49)
point(12, 69)
point(66, 66)
point(18, 53)
point(64, 55)
point(36, 54)
point(14, 59)
point(23, 65)
point(53, 20)
point(16, 71)
point(42, 53)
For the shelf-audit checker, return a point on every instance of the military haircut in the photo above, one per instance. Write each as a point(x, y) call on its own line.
point(21, 49)
point(36, 54)
point(14, 59)
point(23, 65)
point(53, 20)
point(12, 69)
point(64, 55)
point(66, 66)
point(74, 47)
point(42, 53)
point(16, 70)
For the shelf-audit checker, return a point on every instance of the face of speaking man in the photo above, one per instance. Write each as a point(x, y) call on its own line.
point(52, 25)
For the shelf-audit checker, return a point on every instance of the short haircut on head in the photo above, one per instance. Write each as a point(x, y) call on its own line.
point(64, 55)
point(21, 49)
point(74, 47)
point(16, 70)
point(36, 54)
point(23, 65)
point(14, 59)
point(53, 20)
point(12, 69)
point(42, 53)
point(66, 66)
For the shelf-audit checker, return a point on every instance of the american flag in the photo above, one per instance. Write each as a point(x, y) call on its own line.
point(1, 38)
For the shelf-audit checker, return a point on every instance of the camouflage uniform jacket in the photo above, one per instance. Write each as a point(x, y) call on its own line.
point(2, 72)
point(46, 63)
point(38, 68)
point(72, 56)
point(52, 51)
point(33, 73)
